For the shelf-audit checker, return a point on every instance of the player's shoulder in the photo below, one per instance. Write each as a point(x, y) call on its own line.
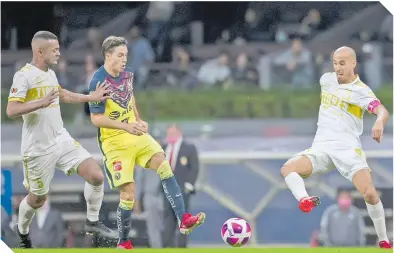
point(98, 76)
point(328, 78)
point(26, 71)
point(359, 84)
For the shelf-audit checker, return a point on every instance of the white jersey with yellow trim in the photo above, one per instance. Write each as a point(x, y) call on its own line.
point(342, 108)
point(42, 127)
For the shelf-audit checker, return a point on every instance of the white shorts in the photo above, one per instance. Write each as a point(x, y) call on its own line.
point(39, 170)
point(327, 156)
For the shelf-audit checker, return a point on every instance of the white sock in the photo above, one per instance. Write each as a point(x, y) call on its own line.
point(296, 185)
point(25, 216)
point(376, 212)
point(94, 198)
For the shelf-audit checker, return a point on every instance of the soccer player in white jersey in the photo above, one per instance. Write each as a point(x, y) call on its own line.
point(35, 95)
point(344, 99)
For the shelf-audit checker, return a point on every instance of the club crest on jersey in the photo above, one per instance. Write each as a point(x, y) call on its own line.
point(183, 160)
point(358, 151)
point(117, 176)
point(14, 90)
point(121, 92)
point(117, 166)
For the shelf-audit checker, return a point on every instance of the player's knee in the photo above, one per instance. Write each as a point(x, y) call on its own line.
point(36, 201)
point(97, 178)
point(287, 168)
point(156, 160)
point(91, 172)
point(127, 192)
point(370, 195)
point(301, 165)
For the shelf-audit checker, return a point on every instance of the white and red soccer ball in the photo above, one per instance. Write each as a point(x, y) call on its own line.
point(236, 232)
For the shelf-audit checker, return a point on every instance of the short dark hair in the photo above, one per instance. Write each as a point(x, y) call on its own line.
point(111, 42)
point(45, 35)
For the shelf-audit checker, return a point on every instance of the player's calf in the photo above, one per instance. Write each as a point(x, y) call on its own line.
point(170, 186)
point(293, 171)
point(94, 193)
point(27, 210)
point(36, 201)
point(123, 213)
point(172, 191)
point(299, 164)
point(91, 172)
point(362, 180)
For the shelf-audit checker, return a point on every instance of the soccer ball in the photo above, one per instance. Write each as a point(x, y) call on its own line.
point(236, 232)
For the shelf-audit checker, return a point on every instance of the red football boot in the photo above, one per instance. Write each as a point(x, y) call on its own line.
point(125, 245)
point(385, 245)
point(308, 203)
point(189, 222)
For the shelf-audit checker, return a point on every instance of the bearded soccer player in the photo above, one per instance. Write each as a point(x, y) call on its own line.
point(124, 141)
point(344, 99)
point(35, 95)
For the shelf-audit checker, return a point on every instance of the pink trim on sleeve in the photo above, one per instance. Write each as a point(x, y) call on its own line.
point(372, 105)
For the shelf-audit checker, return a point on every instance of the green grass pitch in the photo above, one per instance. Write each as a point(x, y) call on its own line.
point(215, 250)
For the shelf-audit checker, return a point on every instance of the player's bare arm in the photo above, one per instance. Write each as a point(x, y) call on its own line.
point(18, 108)
point(102, 121)
point(382, 115)
point(137, 116)
point(99, 94)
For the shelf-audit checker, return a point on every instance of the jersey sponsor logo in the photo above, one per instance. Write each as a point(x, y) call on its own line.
point(117, 166)
point(39, 92)
point(121, 91)
point(94, 103)
point(129, 109)
point(328, 99)
point(114, 115)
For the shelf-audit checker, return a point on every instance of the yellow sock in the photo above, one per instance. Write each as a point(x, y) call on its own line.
point(126, 204)
point(164, 171)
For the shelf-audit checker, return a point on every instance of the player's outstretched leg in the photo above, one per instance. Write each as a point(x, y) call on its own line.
point(293, 172)
point(27, 210)
point(362, 180)
point(123, 215)
point(94, 193)
point(187, 222)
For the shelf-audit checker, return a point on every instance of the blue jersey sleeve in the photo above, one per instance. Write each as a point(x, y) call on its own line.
point(97, 107)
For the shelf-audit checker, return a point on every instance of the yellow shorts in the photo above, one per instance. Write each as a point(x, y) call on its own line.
point(123, 152)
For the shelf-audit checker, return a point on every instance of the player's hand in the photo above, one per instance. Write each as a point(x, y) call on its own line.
point(377, 131)
point(101, 92)
point(50, 98)
point(135, 128)
point(144, 124)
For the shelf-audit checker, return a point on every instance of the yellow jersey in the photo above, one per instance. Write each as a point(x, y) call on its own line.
point(118, 107)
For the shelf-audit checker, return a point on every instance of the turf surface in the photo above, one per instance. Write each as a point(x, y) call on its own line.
point(215, 250)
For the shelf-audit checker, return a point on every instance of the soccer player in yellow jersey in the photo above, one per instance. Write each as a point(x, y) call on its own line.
point(344, 99)
point(124, 141)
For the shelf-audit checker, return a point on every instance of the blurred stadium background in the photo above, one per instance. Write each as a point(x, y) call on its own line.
point(225, 77)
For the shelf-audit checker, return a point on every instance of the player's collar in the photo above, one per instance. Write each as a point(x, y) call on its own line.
point(352, 82)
